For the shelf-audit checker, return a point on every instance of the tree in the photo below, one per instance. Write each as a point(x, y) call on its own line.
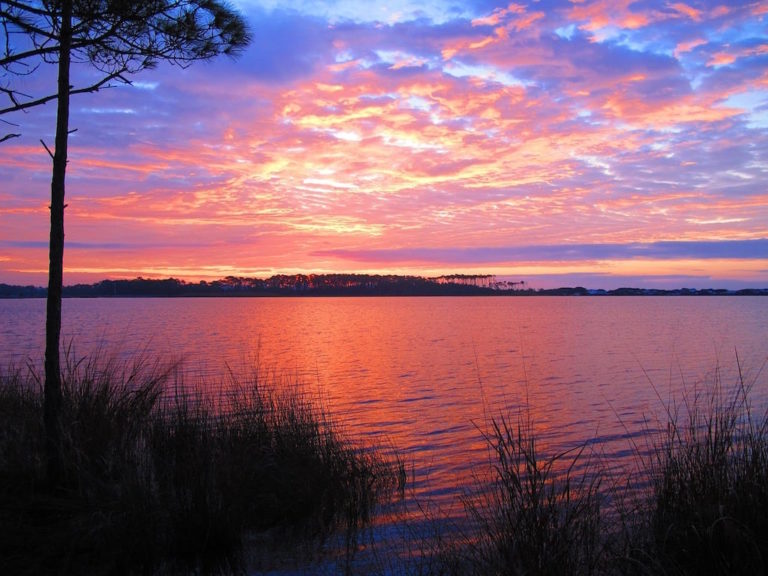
point(117, 38)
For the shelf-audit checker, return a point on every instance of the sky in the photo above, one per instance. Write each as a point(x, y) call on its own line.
point(600, 143)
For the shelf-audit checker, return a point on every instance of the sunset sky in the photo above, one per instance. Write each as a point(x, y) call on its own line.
point(562, 142)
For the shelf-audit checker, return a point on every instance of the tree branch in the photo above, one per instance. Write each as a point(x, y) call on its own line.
point(117, 39)
point(27, 8)
point(16, 58)
point(28, 27)
point(46, 148)
point(92, 88)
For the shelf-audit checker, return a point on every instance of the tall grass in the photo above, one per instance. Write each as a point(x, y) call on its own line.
point(696, 503)
point(541, 516)
point(173, 483)
point(707, 507)
point(536, 514)
point(163, 483)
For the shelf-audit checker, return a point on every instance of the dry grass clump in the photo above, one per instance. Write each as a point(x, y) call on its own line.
point(696, 503)
point(707, 510)
point(538, 514)
point(154, 482)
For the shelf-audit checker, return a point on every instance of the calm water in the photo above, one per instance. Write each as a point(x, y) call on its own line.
point(425, 374)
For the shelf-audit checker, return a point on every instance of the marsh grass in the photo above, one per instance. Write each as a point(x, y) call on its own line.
point(706, 510)
point(174, 483)
point(161, 479)
point(536, 514)
point(542, 516)
point(695, 502)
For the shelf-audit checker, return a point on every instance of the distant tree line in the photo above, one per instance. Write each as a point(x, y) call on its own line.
point(279, 285)
point(336, 285)
point(10, 291)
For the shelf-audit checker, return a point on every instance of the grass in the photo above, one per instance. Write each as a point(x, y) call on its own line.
point(159, 483)
point(707, 508)
point(535, 514)
point(540, 515)
point(697, 504)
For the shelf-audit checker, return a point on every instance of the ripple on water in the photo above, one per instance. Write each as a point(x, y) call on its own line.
point(429, 374)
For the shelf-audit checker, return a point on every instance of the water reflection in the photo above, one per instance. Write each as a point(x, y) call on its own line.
point(427, 374)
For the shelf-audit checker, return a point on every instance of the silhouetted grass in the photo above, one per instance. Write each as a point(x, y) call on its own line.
point(174, 483)
point(696, 504)
point(541, 515)
point(171, 483)
point(536, 514)
point(707, 510)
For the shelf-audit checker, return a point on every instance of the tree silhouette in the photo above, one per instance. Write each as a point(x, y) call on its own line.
point(117, 38)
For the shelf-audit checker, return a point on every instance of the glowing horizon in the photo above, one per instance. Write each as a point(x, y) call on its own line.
point(557, 142)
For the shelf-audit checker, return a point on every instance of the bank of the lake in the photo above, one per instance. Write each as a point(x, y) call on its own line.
point(164, 483)
point(341, 285)
point(423, 377)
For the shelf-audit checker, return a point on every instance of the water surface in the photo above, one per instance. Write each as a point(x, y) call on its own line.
point(426, 374)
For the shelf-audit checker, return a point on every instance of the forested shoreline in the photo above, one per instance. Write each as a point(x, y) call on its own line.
point(344, 285)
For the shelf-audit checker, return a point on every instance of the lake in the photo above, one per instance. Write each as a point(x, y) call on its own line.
point(425, 375)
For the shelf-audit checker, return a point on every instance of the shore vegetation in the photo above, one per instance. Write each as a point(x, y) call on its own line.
point(161, 480)
point(158, 479)
point(694, 503)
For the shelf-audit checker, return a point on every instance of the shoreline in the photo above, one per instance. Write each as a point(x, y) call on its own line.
point(334, 285)
point(24, 293)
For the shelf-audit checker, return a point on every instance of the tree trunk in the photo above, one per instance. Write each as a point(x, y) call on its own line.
point(52, 391)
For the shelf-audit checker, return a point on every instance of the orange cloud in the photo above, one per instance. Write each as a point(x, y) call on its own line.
point(686, 10)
